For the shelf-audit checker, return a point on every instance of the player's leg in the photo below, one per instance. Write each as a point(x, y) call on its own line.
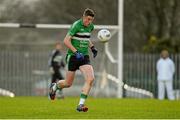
point(70, 74)
point(59, 92)
point(62, 84)
point(53, 81)
point(88, 73)
point(169, 88)
point(161, 90)
point(68, 81)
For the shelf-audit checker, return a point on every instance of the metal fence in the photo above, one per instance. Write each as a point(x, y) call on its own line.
point(140, 71)
point(26, 72)
point(20, 71)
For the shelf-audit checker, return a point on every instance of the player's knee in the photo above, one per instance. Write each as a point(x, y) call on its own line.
point(68, 84)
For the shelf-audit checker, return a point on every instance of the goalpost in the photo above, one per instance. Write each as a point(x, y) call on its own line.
point(114, 31)
point(120, 47)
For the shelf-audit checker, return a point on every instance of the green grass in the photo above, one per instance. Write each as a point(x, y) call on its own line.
point(99, 108)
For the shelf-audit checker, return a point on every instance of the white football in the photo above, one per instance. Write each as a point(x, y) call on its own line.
point(104, 35)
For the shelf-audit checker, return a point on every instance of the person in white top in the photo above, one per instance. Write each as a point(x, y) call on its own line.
point(165, 71)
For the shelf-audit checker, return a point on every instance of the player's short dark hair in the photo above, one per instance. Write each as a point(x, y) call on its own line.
point(88, 12)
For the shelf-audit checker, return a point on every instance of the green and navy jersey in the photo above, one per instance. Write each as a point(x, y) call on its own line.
point(80, 36)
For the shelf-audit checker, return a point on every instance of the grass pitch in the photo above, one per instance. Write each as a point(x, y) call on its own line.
point(99, 108)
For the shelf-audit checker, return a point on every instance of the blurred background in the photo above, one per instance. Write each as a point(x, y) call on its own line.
point(149, 26)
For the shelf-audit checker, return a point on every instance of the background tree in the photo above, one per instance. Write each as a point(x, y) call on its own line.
point(158, 18)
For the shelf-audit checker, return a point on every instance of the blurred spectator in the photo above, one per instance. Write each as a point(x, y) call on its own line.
point(165, 72)
point(56, 64)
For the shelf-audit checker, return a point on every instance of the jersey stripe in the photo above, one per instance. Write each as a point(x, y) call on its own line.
point(79, 38)
point(82, 36)
point(85, 33)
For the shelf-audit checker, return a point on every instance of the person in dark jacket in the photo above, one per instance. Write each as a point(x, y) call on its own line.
point(56, 64)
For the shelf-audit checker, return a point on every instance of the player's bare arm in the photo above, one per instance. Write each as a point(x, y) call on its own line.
point(91, 44)
point(67, 42)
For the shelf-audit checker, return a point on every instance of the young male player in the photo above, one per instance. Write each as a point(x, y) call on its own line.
point(78, 41)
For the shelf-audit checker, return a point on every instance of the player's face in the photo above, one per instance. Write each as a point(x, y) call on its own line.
point(87, 20)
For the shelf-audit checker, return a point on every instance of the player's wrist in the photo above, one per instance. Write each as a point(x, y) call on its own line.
point(94, 51)
point(74, 51)
point(92, 47)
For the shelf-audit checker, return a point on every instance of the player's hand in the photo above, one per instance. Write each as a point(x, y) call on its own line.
point(51, 70)
point(94, 51)
point(79, 56)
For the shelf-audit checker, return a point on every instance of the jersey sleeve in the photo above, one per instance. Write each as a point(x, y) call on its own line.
point(73, 30)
